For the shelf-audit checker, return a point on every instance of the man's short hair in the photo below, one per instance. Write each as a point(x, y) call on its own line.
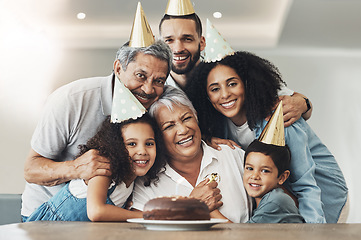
point(192, 16)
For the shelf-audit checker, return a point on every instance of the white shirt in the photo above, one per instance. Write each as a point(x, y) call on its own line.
point(228, 163)
point(285, 90)
point(170, 81)
point(242, 134)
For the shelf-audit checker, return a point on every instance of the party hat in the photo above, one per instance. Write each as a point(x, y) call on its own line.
point(125, 105)
point(216, 46)
point(274, 132)
point(179, 8)
point(142, 35)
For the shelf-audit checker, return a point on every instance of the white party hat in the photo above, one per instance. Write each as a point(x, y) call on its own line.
point(125, 105)
point(216, 46)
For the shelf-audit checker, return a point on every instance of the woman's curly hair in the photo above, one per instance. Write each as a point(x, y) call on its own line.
point(261, 81)
point(110, 144)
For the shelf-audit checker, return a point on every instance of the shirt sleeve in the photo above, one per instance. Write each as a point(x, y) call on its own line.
point(285, 90)
point(302, 179)
point(239, 155)
point(53, 129)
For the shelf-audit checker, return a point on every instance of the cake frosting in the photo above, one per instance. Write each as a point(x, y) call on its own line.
point(175, 208)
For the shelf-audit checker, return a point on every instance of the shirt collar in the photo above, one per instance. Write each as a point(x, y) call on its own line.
point(107, 94)
point(208, 157)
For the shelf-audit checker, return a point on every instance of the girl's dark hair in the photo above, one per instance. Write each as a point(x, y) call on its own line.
point(110, 144)
point(261, 81)
point(281, 155)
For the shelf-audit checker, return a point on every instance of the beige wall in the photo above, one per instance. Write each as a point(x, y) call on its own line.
point(23, 91)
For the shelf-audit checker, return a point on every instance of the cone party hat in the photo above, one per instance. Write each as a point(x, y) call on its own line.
point(141, 35)
point(216, 46)
point(179, 8)
point(125, 105)
point(274, 132)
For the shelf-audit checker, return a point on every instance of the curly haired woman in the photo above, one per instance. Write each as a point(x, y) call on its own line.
point(234, 96)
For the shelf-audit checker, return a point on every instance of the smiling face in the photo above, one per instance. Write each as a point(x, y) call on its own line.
point(139, 140)
point(261, 175)
point(144, 77)
point(226, 92)
point(185, 43)
point(181, 134)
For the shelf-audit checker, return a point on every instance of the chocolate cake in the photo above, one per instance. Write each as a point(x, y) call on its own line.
point(175, 208)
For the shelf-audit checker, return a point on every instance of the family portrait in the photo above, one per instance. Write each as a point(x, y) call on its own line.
point(185, 119)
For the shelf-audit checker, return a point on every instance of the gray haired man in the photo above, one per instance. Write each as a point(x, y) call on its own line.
point(72, 115)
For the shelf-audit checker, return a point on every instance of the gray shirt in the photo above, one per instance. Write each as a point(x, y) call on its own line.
point(71, 116)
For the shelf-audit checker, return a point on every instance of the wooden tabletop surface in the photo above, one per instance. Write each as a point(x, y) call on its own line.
point(124, 231)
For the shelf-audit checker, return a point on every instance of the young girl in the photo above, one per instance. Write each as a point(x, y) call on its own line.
point(133, 148)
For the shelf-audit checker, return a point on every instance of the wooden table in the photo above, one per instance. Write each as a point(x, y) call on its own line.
point(124, 231)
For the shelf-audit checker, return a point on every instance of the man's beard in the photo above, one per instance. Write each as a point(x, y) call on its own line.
point(190, 65)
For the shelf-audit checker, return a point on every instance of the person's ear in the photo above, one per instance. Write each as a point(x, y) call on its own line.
point(117, 67)
point(202, 43)
point(283, 177)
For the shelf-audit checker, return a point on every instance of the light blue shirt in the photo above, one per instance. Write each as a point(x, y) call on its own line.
point(276, 207)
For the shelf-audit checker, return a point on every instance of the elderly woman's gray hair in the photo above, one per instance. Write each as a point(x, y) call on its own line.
point(158, 49)
point(170, 97)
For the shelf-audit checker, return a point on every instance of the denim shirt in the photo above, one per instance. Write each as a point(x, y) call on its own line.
point(276, 207)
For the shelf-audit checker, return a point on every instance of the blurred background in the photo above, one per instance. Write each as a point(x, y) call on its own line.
point(316, 44)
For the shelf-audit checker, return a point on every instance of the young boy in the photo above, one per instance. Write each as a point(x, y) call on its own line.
point(266, 169)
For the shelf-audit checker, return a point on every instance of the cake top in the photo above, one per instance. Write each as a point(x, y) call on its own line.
point(173, 202)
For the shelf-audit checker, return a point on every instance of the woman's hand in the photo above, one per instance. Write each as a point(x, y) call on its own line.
point(208, 193)
point(215, 142)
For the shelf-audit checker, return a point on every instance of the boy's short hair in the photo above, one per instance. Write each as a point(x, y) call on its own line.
point(281, 155)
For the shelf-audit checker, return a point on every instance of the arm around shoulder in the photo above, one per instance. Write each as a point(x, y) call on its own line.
point(48, 172)
point(294, 107)
point(44, 171)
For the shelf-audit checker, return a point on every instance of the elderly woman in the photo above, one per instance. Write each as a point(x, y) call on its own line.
point(190, 161)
